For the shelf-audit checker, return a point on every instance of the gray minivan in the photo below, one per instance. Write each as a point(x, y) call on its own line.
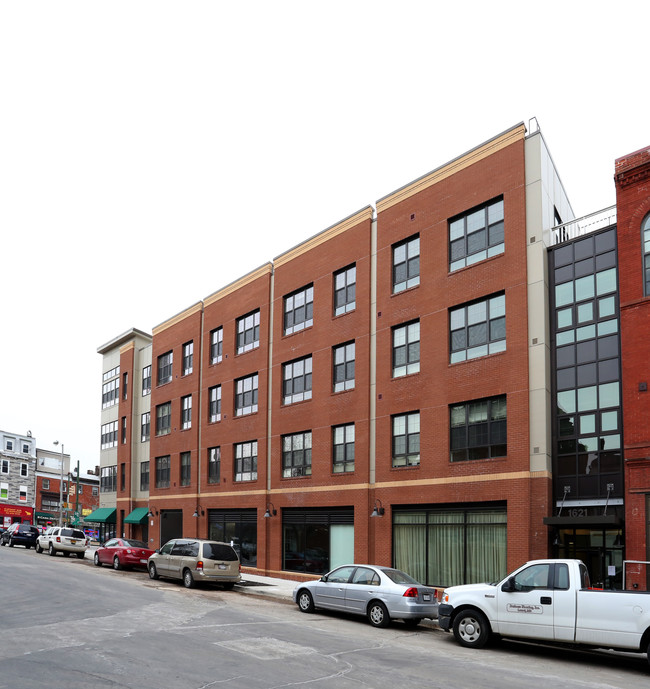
point(195, 560)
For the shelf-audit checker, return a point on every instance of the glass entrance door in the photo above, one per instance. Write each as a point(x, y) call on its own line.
point(599, 549)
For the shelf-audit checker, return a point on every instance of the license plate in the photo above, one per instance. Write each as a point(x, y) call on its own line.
point(73, 541)
point(143, 562)
point(223, 566)
point(426, 596)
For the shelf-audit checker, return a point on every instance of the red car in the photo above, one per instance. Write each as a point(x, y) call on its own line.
point(123, 552)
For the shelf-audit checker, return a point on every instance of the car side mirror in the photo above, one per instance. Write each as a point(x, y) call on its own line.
point(324, 577)
point(157, 550)
point(509, 585)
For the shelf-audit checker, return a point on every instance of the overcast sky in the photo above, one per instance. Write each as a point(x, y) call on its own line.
point(152, 152)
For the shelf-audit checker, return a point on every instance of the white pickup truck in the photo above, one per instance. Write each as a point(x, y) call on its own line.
point(550, 601)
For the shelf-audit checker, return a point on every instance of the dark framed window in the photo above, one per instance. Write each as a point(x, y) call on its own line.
point(186, 412)
point(188, 358)
point(345, 287)
point(125, 385)
point(238, 527)
point(343, 448)
point(479, 429)
point(216, 345)
point(296, 380)
point(478, 329)
point(406, 349)
point(164, 418)
point(246, 395)
point(248, 332)
point(146, 380)
point(145, 426)
point(144, 476)
point(406, 264)
point(186, 468)
point(214, 404)
point(406, 439)
point(107, 481)
point(109, 435)
point(123, 430)
point(163, 471)
point(476, 235)
point(645, 233)
point(111, 392)
point(296, 455)
point(122, 476)
point(165, 366)
point(214, 464)
point(299, 310)
point(343, 363)
point(246, 461)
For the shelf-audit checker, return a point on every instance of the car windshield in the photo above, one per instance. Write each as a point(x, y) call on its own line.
point(134, 544)
point(219, 551)
point(74, 533)
point(398, 577)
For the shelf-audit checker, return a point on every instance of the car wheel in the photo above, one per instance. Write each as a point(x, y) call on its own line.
point(81, 556)
point(188, 579)
point(96, 560)
point(378, 615)
point(11, 542)
point(471, 628)
point(51, 550)
point(38, 548)
point(412, 622)
point(305, 601)
point(153, 574)
point(116, 563)
point(66, 553)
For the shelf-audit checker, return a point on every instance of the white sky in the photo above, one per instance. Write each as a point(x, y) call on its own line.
point(152, 152)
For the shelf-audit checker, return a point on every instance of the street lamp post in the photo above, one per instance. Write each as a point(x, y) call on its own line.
point(56, 442)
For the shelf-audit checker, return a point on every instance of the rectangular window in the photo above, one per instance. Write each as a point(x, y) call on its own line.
point(144, 476)
point(4, 491)
point(645, 233)
point(299, 310)
point(145, 427)
point(165, 365)
point(345, 287)
point(186, 468)
point(146, 381)
point(123, 422)
point(214, 404)
point(163, 471)
point(4, 466)
point(109, 435)
point(9, 445)
point(406, 264)
point(22, 494)
point(26, 449)
point(246, 395)
point(188, 358)
point(246, 461)
point(110, 393)
point(216, 345)
point(46, 484)
point(343, 448)
point(122, 476)
point(343, 364)
point(296, 455)
point(406, 439)
point(164, 418)
point(95, 490)
point(478, 329)
point(476, 235)
point(24, 469)
point(296, 381)
point(107, 480)
point(478, 429)
point(186, 412)
point(125, 384)
point(406, 349)
point(214, 464)
point(248, 332)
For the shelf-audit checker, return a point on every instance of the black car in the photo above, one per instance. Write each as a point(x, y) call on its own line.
point(20, 534)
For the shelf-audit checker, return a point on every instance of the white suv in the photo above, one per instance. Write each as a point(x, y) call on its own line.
point(63, 539)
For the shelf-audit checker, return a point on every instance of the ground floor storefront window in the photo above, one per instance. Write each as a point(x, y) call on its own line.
point(238, 527)
point(450, 546)
point(316, 540)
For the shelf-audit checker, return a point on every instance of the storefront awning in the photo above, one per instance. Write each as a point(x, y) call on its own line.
point(44, 515)
point(138, 516)
point(103, 515)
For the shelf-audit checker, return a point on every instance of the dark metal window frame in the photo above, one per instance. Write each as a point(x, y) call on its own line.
point(296, 387)
point(246, 394)
point(216, 345)
point(406, 264)
point(248, 332)
point(493, 431)
point(246, 462)
point(406, 355)
point(296, 454)
point(481, 241)
point(343, 451)
point(345, 288)
point(298, 316)
point(343, 365)
point(410, 455)
point(165, 367)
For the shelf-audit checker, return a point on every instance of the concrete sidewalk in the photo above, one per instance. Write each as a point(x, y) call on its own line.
point(267, 587)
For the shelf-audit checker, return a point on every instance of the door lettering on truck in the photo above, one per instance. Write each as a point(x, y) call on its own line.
point(519, 607)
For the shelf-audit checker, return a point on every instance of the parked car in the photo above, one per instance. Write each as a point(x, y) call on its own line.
point(193, 559)
point(63, 539)
point(19, 534)
point(123, 552)
point(380, 593)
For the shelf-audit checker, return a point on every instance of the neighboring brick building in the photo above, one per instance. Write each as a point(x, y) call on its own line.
point(386, 391)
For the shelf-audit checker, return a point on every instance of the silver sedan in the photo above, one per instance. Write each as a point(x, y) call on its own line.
point(380, 593)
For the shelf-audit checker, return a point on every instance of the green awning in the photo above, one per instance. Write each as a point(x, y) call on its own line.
point(138, 516)
point(104, 515)
point(45, 515)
